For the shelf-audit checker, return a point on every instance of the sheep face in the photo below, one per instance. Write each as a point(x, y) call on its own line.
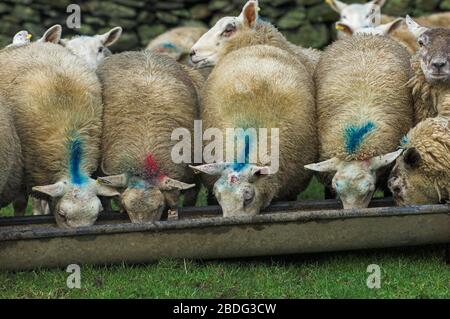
point(237, 190)
point(384, 29)
point(408, 183)
point(355, 181)
point(93, 49)
point(144, 199)
point(357, 16)
point(75, 205)
point(208, 49)
point(434, 51)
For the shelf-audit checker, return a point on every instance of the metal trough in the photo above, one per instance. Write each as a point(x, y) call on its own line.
point(284, 228)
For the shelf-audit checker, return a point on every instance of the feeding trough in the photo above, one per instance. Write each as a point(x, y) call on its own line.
point(201, 233)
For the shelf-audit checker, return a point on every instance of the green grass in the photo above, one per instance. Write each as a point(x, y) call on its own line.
point(405, 273)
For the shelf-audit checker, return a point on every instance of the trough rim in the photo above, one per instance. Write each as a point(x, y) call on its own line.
point(298, 216)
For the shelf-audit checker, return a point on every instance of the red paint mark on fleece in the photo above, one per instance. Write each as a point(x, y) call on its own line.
point(151, 168)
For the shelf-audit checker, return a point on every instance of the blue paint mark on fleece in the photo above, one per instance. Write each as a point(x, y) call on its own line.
point(76, 156)
point(404, 141)
point(354, 135)
point(168, 45)
point(239, 166)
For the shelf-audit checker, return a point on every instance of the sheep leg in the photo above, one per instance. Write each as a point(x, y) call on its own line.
point(20, 204)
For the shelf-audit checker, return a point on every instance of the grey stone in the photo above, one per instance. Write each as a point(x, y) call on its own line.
point(5, 8)
point(322, 13)
point(200, 12)
point(216, 5)
point(427, 5)
point(127, 41)
point(4, 41)
point(316, 36)
point(293, 19)
point(309, 2)
point(445, 5)
point(147, 32)
point(397, 7)
point(146, 17)
point(26, 13)
point(131, 3)
point(166, 17)
point(124, 23)
point(110, 9)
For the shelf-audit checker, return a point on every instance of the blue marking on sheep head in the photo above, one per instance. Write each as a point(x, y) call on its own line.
point(77, 176)
point(354, 135)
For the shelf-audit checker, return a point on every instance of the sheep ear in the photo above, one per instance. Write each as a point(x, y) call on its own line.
point(169, 184)
point(258, 172)
point(249, 13)
point(379, 3)
point(107, 191)
point(111, 36)
point(63, 42)
point(336, 5)
point(210, 169)
point(416, 29)
point(52, 35)
point(384, 160)
point(54, 190)
point(412, 157)
point(388, 28)
point(330, 165)
point(114, 180)
point(344, 28)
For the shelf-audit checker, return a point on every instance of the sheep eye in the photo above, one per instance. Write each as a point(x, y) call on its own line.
point(229, 29)
point(421, 43)
point(100, 50)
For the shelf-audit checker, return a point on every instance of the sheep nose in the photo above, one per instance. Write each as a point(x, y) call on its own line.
point(192, 53)
point(439, 64)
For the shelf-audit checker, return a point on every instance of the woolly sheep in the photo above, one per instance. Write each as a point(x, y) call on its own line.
point(177, 42)
point(57, 108)
point(422, 174)
point(431, 68)
point(92, 49)
point(356, 15)
point(146, 97)
point(254, 86)
point(230, 33)
point(21, 38)
point(363, 110)
point(10, 156)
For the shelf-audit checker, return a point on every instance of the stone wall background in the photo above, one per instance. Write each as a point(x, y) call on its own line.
point(305, 22)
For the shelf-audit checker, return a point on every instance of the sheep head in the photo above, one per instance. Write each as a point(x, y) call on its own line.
point(357, 16)
point(144, 199)
point(355, 181)
point(93, 49)
point(237, 189)
point(434, 51)
point(208, 49)
point(75, 203)
point(384, 29)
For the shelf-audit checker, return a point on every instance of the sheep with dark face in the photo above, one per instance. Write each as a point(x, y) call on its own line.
point(422, 174)
point(364, 109)
point(57, 108)
point(431, 67)
point(146, 97)
point(11, 165)
point(258, 82)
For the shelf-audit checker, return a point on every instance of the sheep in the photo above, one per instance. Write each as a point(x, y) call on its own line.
point(177, 42)
point(357, 16)
point(92, 49)
point(57, 109)
point(363, 110)
point(422, 174)
point(10, 156)
point(382, 29)
point(155, 96)
point(431, 71)
point(21, 38)
point(364, 16)
point(255, 86)
point(230, 33)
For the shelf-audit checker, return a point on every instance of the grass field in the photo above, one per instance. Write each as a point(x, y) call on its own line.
point(417, 272)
